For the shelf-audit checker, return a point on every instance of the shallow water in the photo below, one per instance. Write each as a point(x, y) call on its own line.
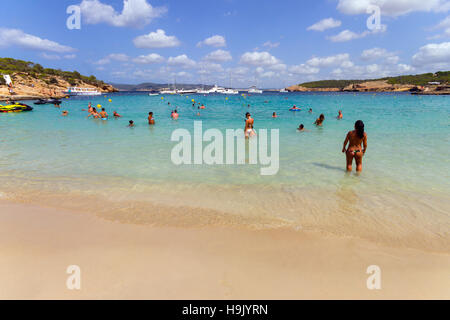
point(402, 194)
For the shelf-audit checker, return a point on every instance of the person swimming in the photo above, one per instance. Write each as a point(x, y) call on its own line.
point(295, 108)
point(103, 115)
point(151, 120)
point(354, 140)
point(116, 115)
point(130, 124)
point(202, 106)
point(319, 121)
point(249, 122)
point(310, 110)
point(274, 115)
point(174, 115)
point(65, 113)
point(301, 128)
point(340, 115)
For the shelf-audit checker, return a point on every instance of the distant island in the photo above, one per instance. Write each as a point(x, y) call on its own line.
point(428, 83)
point(32, 81)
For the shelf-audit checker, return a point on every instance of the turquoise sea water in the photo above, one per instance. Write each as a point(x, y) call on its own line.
point(405, 178)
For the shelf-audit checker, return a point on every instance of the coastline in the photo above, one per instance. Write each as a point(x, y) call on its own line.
point(38, 244)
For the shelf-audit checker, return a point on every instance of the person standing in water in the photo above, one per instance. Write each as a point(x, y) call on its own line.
point(249, 122)
point(103, 114)
point(340, 115)
point(320, 120)
point(151, 120)
point(355, 139)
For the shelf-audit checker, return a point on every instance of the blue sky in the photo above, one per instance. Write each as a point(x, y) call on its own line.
point(268, 43)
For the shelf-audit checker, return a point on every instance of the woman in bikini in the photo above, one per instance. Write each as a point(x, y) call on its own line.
point(355, 139)
point(249, 132)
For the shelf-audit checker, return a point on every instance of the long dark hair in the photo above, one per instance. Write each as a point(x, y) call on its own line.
point(359, 127)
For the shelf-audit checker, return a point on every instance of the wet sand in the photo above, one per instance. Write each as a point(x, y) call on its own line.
point(127, 261)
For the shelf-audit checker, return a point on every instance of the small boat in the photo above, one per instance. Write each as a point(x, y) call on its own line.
point(48, 101)
point(283, 90)
point(254, 90)
point(17, 107)
point(76, 91)
point(153, 94)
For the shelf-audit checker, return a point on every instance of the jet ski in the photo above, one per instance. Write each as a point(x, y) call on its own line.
point(16, 107)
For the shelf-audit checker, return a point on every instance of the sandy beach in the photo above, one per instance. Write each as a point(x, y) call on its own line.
point(126, 261)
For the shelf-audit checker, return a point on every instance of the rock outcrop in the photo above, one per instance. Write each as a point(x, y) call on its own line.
point(27, 87)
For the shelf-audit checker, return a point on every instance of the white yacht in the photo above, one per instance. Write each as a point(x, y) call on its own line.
point(283, 90)
point(216, 89)
point(168, 91)
point(187, 91)
point(254, 90)
point(76, 91)
point(230, 91)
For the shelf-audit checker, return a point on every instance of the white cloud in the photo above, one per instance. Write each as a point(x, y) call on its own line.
point(259, 59)
point(157, 39)
point(214, 41)
point(181, 61)
point(325, 24)
point(347, 35)
point(330, 61)
point(271, 45)
point(374, 54)
point(304, 69)
point(16, 37)
point(112, 57)
point(149, 58)
point(209, 68)
point(135, 13)
point(380, 54)
point(433, 54)
point(445, 25)
point(218, 56)
point(393, 7)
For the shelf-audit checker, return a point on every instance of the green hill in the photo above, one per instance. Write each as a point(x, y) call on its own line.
point(35, 70)
point(418, 80)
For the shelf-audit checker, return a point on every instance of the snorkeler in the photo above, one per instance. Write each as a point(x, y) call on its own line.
point(319, 121)
point(151, 120)
point(340, 115)
point(103, 114)
point(354, 151)
point(249, 122)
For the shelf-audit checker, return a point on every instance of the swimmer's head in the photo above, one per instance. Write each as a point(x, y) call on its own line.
point(301, 127)
point(322, 117)
point(131, 122)
point(103, 109)
point(247, 114)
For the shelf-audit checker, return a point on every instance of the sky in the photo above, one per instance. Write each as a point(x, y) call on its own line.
point(239, 43)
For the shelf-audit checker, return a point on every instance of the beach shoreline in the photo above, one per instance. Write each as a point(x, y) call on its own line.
point(121, 260)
